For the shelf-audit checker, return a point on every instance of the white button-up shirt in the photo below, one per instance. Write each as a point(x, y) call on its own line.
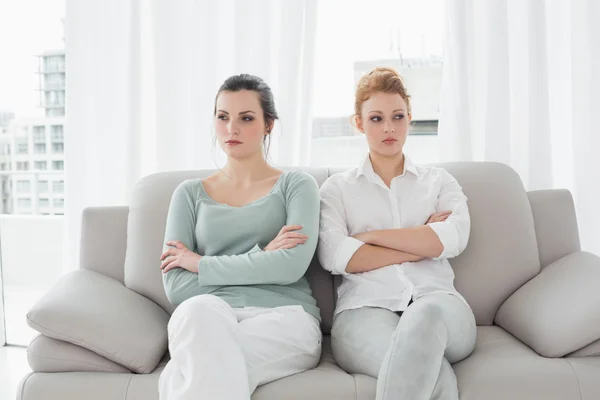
point(359, 201)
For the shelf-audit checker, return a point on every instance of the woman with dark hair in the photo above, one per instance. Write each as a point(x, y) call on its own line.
point(237, 246)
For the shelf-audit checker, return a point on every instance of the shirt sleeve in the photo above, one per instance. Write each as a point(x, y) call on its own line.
point(181, 284)
point(454, 231)
point(336, 246)
point(281, 267)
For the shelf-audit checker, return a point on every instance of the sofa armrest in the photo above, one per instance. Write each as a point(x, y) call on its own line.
point(104, 240)
point(558, 311)
point(98, 313)
point(555, 224)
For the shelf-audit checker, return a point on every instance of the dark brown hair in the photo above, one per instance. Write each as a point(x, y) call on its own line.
point(240, 82)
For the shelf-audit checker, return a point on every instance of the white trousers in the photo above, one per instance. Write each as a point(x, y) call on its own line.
point(410, 355)
point(220, 352)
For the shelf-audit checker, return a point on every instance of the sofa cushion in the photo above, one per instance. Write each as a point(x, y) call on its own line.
point(503, 368)
point(98, 313)
point(591, 350)
point(500, 368)
point(326, 382)
point(45, 354)
point(558, 311)
point(80, 385)
point(587, 371)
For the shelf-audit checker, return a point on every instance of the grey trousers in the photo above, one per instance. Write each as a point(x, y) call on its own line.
point(409, 354)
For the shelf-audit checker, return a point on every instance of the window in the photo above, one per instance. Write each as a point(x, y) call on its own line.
point(39, 148)
point(39, 131)
point(57, 133)
point(408, 37)
point(58, 165)
point(424, 127)
point(58, 186)
point(39, 136)
point(24, 203)
point(58, 148)
point(54, 81)
point(59, 203)
point(55, 98)
point(54, 63)
point(22, 148)
point(23, 186)
point(43, 186)
point(35, 31)
point(2, 167)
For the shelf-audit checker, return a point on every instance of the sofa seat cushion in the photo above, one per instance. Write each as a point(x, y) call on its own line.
point(501, 367)
point(326, 382)
point(45, 354)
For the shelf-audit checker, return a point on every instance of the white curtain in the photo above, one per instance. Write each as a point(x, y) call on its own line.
point(521, 86)
point(141, 84)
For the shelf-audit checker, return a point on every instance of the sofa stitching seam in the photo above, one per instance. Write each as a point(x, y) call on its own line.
point(127, 387)
point(576, 378)
point(25, 383)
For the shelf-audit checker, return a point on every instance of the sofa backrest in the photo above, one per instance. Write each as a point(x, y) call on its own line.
point(501, 256)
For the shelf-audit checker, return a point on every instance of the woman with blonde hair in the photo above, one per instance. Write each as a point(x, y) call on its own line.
point(389, 227)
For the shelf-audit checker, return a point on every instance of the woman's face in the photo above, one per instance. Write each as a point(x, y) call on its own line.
point(384, 120)
point(240, 124)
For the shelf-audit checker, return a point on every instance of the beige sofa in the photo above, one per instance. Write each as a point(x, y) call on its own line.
point(535, 295)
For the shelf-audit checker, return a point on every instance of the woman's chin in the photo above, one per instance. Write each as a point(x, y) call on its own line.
point(388, 151)
point(238, 153)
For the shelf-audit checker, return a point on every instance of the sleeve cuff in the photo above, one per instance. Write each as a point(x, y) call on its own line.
point(344, 253)
point(448, 236)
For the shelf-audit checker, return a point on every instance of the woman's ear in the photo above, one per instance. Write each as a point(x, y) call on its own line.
point(269, 127)
point(359, 123)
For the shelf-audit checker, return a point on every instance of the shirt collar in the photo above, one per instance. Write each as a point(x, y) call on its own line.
point(366, 168)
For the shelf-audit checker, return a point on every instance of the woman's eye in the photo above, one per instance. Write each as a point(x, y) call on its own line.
point(222, 117)
point(247, 119)
point(399, 116)
point(375, 119)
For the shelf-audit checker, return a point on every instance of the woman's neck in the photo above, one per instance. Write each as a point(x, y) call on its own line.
point(387, 167)
point(247, 170)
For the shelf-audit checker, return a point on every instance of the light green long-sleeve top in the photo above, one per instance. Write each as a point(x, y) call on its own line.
point(230, 239)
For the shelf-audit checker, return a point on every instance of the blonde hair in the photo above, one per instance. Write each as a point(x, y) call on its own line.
point(381, 79)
